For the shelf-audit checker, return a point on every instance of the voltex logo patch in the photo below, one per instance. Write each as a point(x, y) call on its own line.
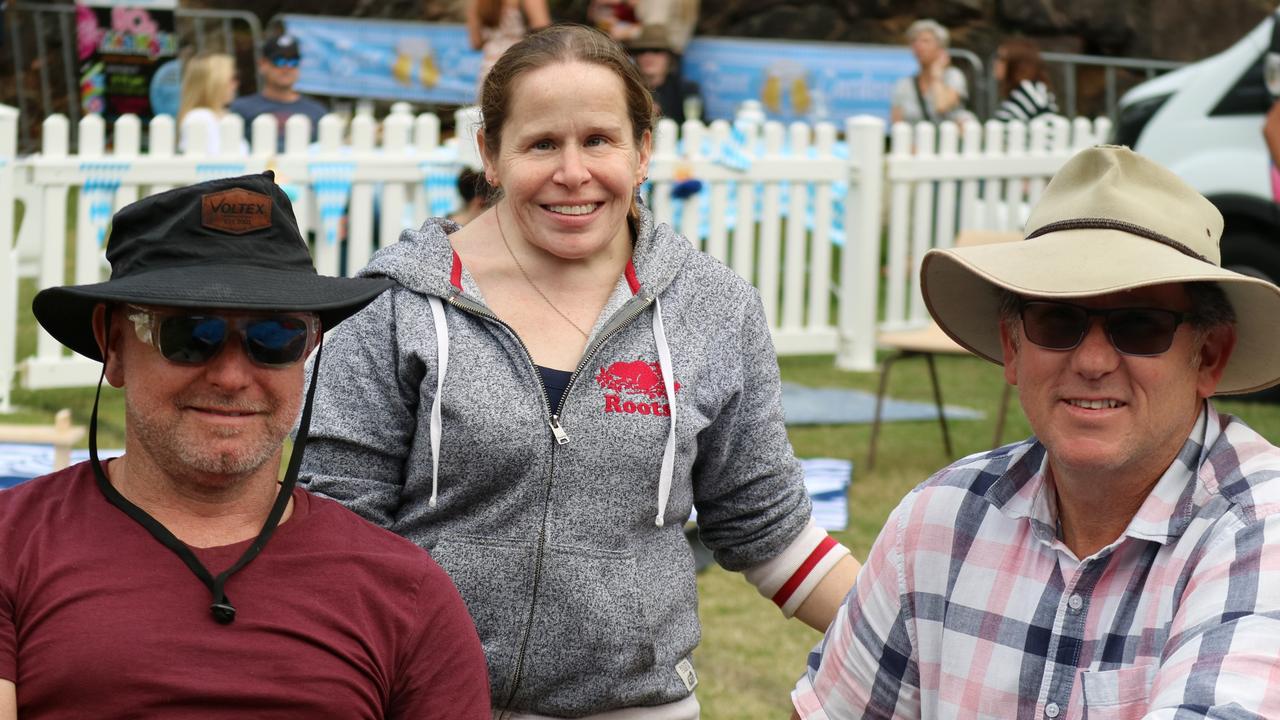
point(235, 211)
point(634, 388)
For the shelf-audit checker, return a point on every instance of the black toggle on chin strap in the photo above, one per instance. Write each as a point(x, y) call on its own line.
point(221, 608)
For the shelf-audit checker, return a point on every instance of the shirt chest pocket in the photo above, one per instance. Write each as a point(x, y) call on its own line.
point(1117, 694)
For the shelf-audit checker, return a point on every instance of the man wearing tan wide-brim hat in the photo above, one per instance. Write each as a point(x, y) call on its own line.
point(1125, 561)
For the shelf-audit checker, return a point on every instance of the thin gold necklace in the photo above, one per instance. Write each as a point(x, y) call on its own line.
point(497, 215)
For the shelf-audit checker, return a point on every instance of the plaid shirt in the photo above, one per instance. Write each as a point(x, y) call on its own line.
point(970, 607)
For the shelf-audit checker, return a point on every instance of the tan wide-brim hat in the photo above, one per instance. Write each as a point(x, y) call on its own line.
point(1109, 220)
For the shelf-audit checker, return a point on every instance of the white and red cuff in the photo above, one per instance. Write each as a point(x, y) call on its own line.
point(789, 578)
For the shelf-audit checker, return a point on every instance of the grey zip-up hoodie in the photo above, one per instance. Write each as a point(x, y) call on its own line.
point(556, 526)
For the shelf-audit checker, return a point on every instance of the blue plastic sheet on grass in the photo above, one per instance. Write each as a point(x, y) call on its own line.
point(840, 406)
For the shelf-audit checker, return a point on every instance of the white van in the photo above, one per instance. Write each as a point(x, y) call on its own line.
point(1204, 122)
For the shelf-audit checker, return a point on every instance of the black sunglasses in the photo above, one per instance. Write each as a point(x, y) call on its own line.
point(283, 62)
point(271, 341)
point(1132, 331)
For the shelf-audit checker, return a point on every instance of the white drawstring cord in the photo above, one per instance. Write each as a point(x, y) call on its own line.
point(668, 384)
point(442, 362)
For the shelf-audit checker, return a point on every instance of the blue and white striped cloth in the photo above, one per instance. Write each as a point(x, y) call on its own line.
point(332, 183)
point(440, 179)
point(102, 179)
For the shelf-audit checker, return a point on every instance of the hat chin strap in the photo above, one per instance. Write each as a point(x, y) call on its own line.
point(221, 608)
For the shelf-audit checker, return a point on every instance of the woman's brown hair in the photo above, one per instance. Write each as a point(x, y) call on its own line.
point(1022, 61)
point(489, 12)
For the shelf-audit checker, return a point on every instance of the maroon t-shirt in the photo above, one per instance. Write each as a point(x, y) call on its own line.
point(335, 618)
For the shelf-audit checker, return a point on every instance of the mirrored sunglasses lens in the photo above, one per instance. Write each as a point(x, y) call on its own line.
point(276, 341)
point(285, 62)
point(1142, 331)
point(191, 339)
point(1054, 325)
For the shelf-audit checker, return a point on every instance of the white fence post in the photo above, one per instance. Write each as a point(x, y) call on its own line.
point(693, 133)
point(718, 208)
point(426, 138)
point(664, 156)
point(360, 210)
point(860, 259)
point(330, 193)
point(8, 255)
point(395, 143)
point(970, 150)
point(948, 149)
point(922, 223)
point(161, 142)
point(819, 319)
point(795, 267)
point(771, 228)
point(899, 223)
point(55, 138)
point(96, 198)
point(744, 231)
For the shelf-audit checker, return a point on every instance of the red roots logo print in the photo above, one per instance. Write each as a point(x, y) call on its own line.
point(634, 388)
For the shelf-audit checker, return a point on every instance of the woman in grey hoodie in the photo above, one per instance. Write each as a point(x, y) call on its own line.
point(547, 393)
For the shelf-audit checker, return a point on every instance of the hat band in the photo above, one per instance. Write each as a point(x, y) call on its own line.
point(1109, 224)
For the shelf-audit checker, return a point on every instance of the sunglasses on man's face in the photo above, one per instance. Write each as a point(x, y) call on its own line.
point(1132, 331)
point(271, 341)
point(282, 62)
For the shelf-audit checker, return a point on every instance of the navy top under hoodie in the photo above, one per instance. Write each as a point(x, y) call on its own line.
point(570, 555)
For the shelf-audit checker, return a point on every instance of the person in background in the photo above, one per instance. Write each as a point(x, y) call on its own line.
point(656, 61)
point(548, 391)
point(281, 58)
point(209, 84)
point(190, 577)
point(938, 91)
point(625, 20)
point(1124, 561)
point(495, 25)
point(1023, 82)
point(474, 192)
point(616, 18)
point(1271, 135)
point(1271, 124)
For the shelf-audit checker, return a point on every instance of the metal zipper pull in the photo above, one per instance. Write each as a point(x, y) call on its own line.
point(562, 437)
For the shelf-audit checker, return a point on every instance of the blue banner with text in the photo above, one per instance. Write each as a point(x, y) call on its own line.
point(382, 59)
point(433, 63)
point(808, 81)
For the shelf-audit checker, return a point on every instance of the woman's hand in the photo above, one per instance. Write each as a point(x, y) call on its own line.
point(938, 66)
point(945, 97)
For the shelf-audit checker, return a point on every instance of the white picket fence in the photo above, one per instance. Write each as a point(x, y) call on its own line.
point(794, 210)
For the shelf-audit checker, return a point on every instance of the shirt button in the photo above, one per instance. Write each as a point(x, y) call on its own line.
point(1075, 602)
point(1052, 710)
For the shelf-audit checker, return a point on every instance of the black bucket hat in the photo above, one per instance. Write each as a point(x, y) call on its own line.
point(231, 243)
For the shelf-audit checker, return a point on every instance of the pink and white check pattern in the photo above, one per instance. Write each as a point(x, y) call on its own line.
point(969, 606)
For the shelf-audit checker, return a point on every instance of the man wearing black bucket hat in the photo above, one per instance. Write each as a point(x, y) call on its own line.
point(1125, 561)
point(279, 68)
point(146, 586)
